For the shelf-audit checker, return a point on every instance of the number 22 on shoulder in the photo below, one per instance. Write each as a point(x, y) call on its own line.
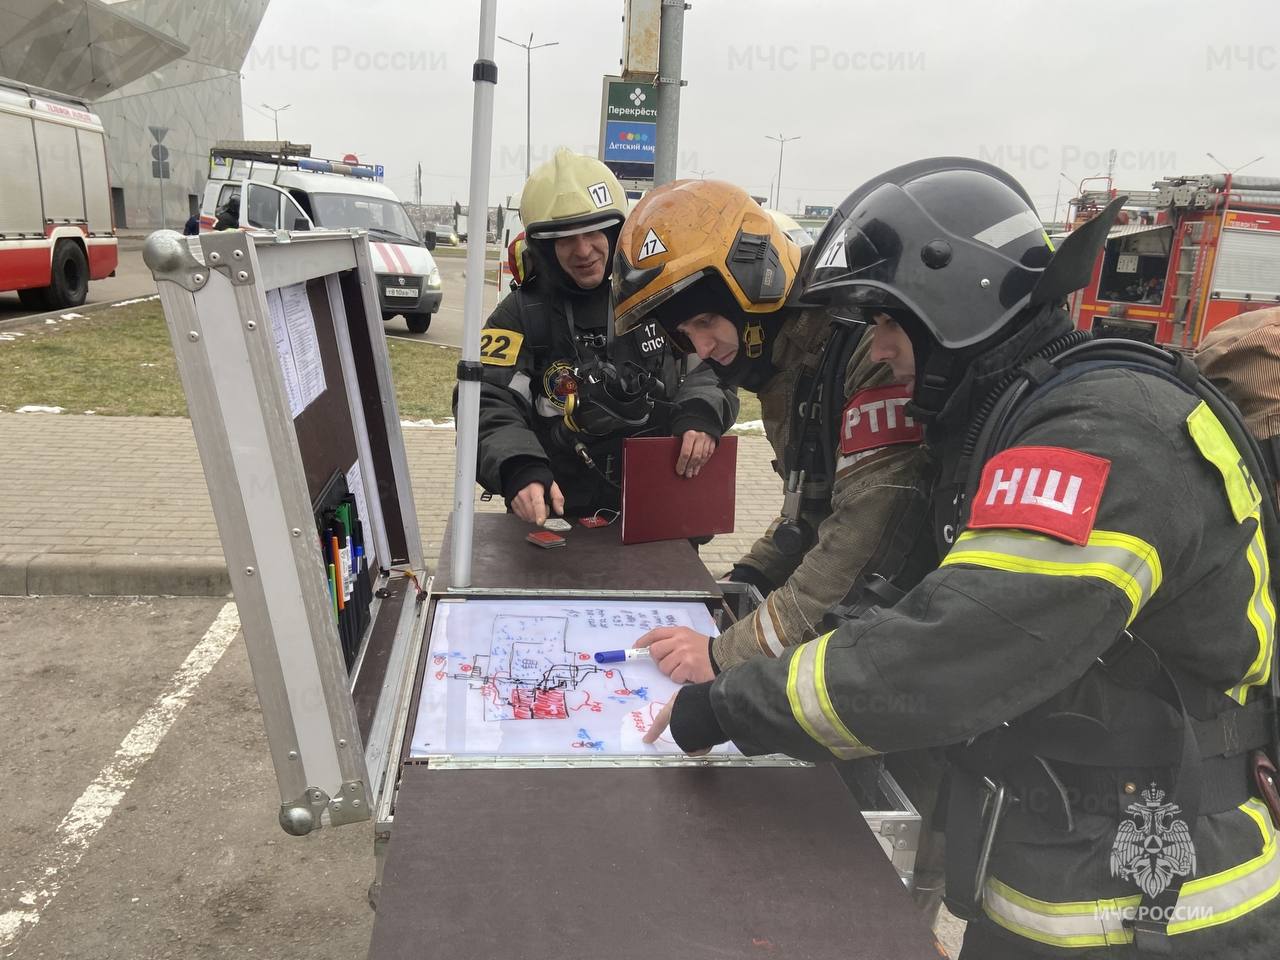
point(500, 348)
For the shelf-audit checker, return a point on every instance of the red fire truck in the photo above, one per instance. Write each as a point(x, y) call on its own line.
point(56, 230)
point(1185, 256)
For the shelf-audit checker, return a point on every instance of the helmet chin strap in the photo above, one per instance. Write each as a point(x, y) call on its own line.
point(753, 338)
point(935, 380)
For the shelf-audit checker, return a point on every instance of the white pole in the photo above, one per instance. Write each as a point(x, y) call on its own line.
point(485, 74)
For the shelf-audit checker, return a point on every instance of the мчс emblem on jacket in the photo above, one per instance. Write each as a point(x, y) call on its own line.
point(1152, 847)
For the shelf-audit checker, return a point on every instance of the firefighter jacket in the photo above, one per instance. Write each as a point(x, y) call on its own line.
point(530, 348)
point(869, 502)
point(1118, 503)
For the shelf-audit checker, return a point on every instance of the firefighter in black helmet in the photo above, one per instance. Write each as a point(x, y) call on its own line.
point(1098, 642)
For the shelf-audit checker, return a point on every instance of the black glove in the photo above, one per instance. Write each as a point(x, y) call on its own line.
point(742, 573)
point(608, 402)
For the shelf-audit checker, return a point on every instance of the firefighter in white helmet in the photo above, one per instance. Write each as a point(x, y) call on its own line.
point(560, 393)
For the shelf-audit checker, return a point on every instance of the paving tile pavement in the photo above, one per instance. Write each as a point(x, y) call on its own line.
point(118, 505)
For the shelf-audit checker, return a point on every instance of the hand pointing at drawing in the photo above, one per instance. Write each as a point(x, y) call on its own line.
point(662, 721)
point(682, 654)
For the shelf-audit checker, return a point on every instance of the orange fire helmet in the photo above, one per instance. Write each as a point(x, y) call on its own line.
point(689, 229)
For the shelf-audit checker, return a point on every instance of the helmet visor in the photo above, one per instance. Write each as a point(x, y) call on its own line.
point(555, 229)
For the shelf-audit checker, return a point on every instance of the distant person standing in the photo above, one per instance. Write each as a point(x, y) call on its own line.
point(229, 215)
point(192, 226)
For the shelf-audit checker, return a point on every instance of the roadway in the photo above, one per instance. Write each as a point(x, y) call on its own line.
point(141, 813)
point(133, 279)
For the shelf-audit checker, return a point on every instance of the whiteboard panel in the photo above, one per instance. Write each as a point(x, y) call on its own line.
point(519, 678)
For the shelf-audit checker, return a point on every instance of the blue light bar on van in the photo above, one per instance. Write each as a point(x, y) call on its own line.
point(331, 166)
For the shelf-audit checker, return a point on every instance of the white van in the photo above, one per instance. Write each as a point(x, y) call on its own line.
point(278, 186)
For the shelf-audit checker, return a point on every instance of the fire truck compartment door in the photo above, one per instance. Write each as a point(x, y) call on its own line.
point(1248, 265)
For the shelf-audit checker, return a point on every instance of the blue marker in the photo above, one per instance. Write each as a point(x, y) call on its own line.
point(619, 656)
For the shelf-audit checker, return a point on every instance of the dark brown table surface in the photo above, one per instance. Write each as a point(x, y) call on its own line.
point(593, 559)
point(643, 863)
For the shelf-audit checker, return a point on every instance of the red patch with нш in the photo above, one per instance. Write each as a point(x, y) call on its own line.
point(1049, 490)
point(876, 417)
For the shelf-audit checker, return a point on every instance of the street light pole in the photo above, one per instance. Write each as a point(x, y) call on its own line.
point(528, 94)
point(275, 116)
point(1237, 169)
point(782, 142)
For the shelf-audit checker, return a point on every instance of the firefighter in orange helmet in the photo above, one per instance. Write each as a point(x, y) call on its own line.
point(715, 270)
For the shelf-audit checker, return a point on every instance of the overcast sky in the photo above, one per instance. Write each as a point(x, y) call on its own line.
point(1041, 88)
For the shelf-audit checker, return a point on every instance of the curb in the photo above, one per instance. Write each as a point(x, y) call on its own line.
point(122, 575)
point(53, 314)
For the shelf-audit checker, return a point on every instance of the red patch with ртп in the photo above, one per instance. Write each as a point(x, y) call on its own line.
point(1049, 490)
point(876, 417)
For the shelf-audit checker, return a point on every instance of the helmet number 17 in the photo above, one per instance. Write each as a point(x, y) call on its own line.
point(600, 195)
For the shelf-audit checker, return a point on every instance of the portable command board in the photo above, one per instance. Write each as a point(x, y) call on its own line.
point(389, 695)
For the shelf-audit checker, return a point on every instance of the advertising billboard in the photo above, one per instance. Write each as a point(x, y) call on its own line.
point(628, 128)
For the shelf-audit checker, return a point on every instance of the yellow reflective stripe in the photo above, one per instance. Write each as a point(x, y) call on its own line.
point(1262, 615)
point(1204, 902)
point(1263, 893)
point(1127, 562)
point(811, 704)
point(1216, 447)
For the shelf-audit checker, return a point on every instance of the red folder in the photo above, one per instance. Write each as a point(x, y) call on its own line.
point(659, 504)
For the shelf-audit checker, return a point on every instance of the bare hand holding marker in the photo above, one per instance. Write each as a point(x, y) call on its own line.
point(682, 654)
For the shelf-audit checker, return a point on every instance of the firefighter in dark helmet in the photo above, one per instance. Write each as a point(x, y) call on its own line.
point(1097, 644)
point(560, 393)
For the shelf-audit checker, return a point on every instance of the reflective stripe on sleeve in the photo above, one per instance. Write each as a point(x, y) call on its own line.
point(811, 703)
point(519, 384)
point(767, 638)
point(1204, 902)
point(1126, 562)
point(1262, 616)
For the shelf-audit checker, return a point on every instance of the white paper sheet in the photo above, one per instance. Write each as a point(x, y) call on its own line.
point(519, 678)
point(294, 327)
point(284, 351)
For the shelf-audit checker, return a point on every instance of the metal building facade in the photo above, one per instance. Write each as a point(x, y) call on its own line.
point(167, 68)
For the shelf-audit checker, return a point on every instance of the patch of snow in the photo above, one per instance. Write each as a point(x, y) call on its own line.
point(749, 426)
point(125, 303)
point(445, 424)
point(36, 408)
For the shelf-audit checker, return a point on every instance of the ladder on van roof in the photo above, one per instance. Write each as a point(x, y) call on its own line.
point(277, 154)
